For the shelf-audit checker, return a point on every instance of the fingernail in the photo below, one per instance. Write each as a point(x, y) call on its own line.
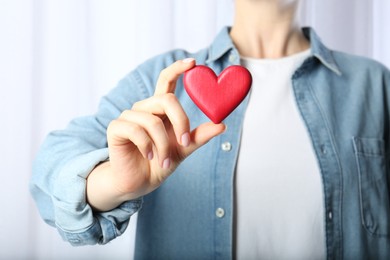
point(188, 60)
point(185, 139)
point(150, 155)
point(166, 163)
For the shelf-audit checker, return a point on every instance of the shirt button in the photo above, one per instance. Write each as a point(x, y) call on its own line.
point(323, 149)
point(220, 212)
point(232, 58)
point(330, 215)
point(226, 146)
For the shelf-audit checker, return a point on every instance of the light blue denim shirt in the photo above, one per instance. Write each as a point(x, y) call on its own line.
point(344, 102)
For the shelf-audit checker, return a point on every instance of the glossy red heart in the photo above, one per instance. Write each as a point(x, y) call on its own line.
point(218, 96)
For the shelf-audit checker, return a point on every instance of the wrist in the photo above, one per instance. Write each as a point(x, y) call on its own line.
point(101, 192)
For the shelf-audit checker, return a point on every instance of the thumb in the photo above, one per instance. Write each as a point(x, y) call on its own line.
point(202, 134)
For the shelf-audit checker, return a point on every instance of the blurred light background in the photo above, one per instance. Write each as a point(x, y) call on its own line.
point(58, 57)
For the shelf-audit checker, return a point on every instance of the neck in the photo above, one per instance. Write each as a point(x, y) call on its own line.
point(267, 29)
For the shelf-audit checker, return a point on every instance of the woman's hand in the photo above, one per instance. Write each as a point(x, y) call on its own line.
point(146, 144)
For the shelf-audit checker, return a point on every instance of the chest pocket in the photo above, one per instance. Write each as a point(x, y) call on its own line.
point(373, 184)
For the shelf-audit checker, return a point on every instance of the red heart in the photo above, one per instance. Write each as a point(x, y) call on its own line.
point(218, 96)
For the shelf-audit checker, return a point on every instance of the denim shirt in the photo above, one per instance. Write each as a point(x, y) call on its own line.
point(344, 103)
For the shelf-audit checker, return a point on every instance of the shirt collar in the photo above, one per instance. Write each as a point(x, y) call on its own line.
point(223, 44)
point(320, 51)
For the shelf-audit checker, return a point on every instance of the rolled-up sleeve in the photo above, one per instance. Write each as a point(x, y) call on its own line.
point(62, 165)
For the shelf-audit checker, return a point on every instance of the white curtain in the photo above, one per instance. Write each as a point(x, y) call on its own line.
point(58, 57)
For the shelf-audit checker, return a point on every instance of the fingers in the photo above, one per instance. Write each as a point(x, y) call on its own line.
point(165, 103)
point(121, 132)
point(166, 82)
point(168, 105)
point(146, 131)
point(144, 125)
point(203, 134)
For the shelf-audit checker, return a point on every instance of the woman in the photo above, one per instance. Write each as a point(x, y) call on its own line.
point(298, 170)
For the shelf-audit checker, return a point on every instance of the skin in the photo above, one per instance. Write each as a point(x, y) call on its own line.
point(267, 29)
point(147, 142)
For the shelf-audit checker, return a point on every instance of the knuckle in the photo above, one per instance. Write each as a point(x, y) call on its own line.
point(165, 76)
point(164, 72)
point(135, 106)
point(125, 114)
point(155, 122)
point(111, 127)
point(170, 98)
point(134, 129)
point(145, 143)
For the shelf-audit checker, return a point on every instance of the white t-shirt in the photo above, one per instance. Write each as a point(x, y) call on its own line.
point(279, 194)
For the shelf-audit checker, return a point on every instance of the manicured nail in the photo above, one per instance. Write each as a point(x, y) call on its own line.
point(188, 60)
point(150, 155)
point(166, 163)
point(185, 139)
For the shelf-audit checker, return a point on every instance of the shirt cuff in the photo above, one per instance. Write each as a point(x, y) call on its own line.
point(105, 227)
point(74, 218)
